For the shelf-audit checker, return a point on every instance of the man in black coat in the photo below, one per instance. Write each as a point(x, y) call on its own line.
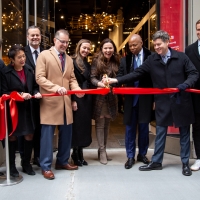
point(137, 109)
point(193, 52)
point(32, 51)
point(168, 69)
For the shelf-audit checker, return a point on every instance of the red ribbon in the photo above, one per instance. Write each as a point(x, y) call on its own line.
point(125, 90)
point(14, 96)
point(102, 91)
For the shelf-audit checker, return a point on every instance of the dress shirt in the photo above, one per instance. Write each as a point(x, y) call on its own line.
point(199, 46)
point(33, 53)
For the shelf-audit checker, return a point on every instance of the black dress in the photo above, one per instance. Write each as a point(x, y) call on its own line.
point(11, 82)
point(82, 127)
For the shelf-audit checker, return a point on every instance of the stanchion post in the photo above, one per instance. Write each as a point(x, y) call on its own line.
point(8, 179)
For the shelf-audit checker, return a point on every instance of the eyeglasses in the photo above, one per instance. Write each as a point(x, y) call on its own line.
point(63, 41)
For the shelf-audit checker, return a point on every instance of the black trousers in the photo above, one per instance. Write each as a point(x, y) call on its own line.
point(196, 134)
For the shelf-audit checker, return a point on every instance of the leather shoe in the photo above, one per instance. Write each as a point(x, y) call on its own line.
point(48, 174)
point(129, 163)
point(143, 159)
point(186, 170)
point(67, 167)
point(151, 166)
point(36, 161)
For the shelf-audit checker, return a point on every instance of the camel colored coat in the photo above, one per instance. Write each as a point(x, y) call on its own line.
point(50, 77)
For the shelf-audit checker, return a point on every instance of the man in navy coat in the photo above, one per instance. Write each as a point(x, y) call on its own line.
point(137, 109)
point(168, 69)
point(193, 52)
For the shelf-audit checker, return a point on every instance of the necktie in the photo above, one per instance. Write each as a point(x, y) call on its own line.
point(165, 58)
point(36, 54)
point(199, 49)
point(138, 60)
point(62, 61)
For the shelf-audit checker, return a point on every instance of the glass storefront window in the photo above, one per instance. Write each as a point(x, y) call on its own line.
point(14, 23)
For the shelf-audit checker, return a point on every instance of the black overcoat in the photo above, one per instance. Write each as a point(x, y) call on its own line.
point(11, 82)
point(179, 69)
point(193, 53)
point(145, 101)
point(82, 118)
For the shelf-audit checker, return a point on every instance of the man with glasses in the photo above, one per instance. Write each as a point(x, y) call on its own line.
point(55, 74)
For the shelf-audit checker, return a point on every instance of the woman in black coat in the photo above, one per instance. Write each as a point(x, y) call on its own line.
point(82, 107)
point(19, 77)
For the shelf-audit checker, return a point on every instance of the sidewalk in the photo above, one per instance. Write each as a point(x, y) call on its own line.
point(107, 182)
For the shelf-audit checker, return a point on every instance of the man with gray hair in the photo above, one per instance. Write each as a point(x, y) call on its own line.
point(168, 69)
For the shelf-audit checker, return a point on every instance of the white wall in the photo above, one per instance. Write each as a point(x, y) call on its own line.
point(194, 16)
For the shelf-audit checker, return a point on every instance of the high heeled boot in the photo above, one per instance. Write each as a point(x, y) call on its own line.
point(26, 166)
point(106, 132)
point(99, 127)
point(75, 157)
point(12, 149)
point(80, 153)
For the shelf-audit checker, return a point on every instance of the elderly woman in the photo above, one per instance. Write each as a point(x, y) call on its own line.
point(105, 61)
point(18, 76)
point(82, 107)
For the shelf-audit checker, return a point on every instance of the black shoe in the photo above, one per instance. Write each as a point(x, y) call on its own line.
point(1, 174)
point(36, 161)
point(186, 170)
point(143, 159)
point(151, 166)
point(129, 163)
point(13, 171)
point(27, 168)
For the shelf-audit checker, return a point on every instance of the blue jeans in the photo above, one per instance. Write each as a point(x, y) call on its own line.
point(161, 133)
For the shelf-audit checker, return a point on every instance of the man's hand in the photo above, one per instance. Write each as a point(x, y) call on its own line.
point(109, 80)
point(182, 86)
point(62, 91)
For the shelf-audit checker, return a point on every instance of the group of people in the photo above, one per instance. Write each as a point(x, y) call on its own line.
point(35, 72)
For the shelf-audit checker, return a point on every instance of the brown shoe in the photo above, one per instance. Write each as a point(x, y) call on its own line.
point(67, 167)
point(48, 174)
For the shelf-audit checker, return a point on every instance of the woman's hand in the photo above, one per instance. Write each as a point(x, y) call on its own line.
point(38, 96)
point(100, 84)
point(74, 106)
point(26, 96)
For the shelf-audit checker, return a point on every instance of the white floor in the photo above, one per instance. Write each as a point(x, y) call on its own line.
point(107, 182)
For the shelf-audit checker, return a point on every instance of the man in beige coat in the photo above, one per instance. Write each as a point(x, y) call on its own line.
point(55, 73)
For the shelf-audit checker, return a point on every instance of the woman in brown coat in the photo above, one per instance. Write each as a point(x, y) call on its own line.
point(105, 61)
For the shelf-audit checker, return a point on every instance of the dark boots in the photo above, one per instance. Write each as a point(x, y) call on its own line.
point(80, 153)
point(12, 149)
point(26, 166)
point(75, 157)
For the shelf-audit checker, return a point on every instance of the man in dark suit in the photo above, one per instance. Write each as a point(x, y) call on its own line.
point(193, 52)
point(137, 109)
point(32, 51)
point(168, 69)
